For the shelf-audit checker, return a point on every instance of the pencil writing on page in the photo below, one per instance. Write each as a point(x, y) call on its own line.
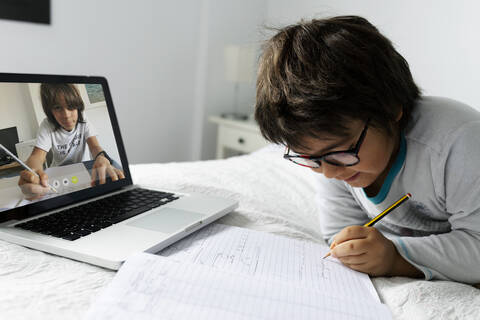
point(395, 205)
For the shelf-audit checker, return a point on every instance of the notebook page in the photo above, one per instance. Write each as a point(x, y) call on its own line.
point(154, 287)
point(265, 255)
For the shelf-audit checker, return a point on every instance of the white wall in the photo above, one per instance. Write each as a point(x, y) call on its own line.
point(228, 22)
point(439, 39)
point(163, 60)
point(145, 48)
point(16, 110)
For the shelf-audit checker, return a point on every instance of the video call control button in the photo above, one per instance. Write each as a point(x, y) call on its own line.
point(56, 183)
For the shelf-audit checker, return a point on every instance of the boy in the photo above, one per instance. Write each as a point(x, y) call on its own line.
point(67, 133)
point(342, 100)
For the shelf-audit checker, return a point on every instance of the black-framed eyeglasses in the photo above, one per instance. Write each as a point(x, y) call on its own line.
point(337, 158)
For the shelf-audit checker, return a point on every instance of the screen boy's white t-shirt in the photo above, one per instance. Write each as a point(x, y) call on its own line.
point(68, 147)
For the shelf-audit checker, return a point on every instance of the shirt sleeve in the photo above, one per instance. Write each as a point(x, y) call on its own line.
point(337, 207)
point(454, 255)
point(44, 136)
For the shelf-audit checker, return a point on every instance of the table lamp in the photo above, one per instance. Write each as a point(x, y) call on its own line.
point(239, 68)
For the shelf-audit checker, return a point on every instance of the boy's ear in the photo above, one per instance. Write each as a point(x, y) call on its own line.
point(399, 115)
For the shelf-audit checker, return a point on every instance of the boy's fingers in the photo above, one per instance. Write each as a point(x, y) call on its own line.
point(101, 174)
point(351, 232)
point(94, 176)
point(28, 177)
point(32, 190)
point(361, 267)
point(111, 172)
point(354, 259)
point(120, 174)
point(43, 178)
point(349, 248)
point(39, 190)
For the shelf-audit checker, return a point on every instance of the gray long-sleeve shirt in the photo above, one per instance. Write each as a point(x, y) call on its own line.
point(438, 230)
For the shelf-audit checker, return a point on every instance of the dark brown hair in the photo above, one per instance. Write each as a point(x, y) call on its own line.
point(50, 93)
point(317, 75)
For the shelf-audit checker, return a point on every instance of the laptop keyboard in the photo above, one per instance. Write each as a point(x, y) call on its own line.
point(77, 222)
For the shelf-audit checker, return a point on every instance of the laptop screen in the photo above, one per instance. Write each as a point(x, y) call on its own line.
point(69, 146)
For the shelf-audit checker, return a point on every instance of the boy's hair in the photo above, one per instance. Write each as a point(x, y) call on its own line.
point(50, 93)
point(315, 76)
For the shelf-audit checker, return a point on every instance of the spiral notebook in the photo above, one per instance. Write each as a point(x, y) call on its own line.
point(225, 272)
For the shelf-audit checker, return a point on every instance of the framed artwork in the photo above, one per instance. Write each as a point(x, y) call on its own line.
point(95, 93)
point(37, 11)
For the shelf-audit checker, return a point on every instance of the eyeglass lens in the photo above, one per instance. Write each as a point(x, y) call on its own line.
point(343, 158)
point(339, 159)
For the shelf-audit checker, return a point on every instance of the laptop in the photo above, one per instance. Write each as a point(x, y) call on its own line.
point(8, 138)
point(81, 218)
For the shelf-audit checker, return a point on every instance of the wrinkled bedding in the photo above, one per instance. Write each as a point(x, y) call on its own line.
point(274, 196)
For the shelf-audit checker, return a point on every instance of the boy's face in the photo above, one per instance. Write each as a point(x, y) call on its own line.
point(66, 116)
point(376, 155)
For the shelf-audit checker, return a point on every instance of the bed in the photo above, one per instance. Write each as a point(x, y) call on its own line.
point(274, 196)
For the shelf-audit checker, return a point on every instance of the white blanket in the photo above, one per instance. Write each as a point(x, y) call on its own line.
point(274, 195)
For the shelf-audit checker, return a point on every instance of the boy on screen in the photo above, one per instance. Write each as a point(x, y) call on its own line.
point(71, 138)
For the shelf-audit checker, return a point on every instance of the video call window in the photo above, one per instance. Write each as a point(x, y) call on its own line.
point(62, 132)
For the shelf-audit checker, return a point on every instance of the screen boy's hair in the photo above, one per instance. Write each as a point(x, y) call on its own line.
point(50, 93)
point(317, 75)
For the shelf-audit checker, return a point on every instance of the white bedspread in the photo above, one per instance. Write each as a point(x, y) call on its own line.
point(274, 195)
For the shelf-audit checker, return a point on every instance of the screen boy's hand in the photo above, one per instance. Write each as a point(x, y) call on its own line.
point(33, 187)
point(101, 168)
point(365, 249)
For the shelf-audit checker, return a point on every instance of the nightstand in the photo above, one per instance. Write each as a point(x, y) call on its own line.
point(235, 137)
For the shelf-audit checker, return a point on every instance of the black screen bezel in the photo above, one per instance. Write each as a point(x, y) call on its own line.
point(39, 207)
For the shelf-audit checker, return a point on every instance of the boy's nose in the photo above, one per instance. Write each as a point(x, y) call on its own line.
point(328, 170)
point(66, 113)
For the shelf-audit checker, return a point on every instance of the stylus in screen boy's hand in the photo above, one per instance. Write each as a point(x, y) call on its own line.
point(34, 184)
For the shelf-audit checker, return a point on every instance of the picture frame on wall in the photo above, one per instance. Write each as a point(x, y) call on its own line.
point(94, 93)
point(36, 11)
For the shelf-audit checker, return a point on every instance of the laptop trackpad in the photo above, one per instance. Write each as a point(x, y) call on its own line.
point(167, 220)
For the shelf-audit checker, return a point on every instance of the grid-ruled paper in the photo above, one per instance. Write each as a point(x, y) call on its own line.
point(265, 255)
point(155, 287)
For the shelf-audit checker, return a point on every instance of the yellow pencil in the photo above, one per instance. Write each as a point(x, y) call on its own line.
point(383, 214)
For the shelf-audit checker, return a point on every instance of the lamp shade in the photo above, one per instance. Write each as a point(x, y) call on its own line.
point(239, 63)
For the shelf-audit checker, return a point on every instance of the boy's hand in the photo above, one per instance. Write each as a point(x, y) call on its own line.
point(33, 187)
point(101, 168)
point(365, 249)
